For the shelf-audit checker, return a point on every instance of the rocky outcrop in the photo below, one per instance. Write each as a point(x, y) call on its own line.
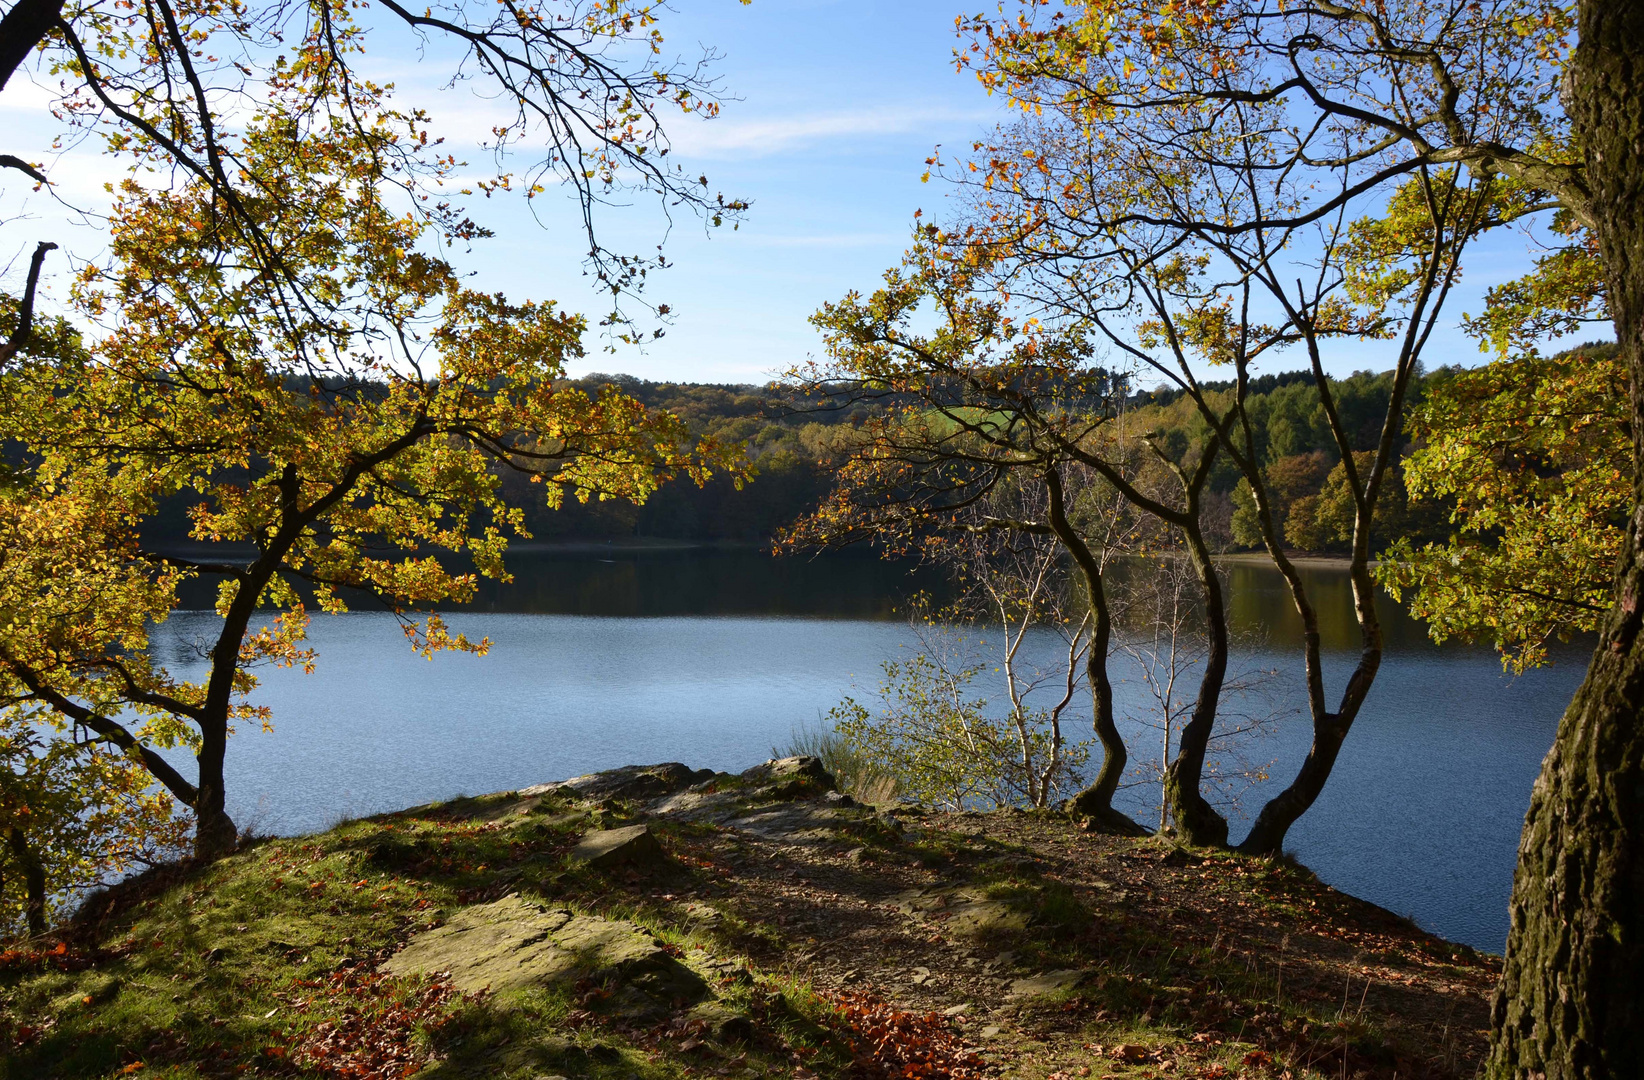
point(634, 845)
point(793, 799)
point(632, 782)
point(672, 787)
point(512, 944)
point(788, 778)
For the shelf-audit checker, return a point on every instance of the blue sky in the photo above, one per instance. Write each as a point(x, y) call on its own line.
point(839, 102)
point(835, 105)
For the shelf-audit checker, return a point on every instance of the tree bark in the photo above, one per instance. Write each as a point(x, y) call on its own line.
point(24, 329)
point(1096, 801)
point(34, 879)
point(23, 28)
point(1266, 836)
point(214, 831)
point(1199, 824)
point(1571, 1001)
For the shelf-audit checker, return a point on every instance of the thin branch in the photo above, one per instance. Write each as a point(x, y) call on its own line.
point(25, 311)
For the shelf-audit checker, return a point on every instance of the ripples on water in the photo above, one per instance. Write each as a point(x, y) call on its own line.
point(602, 659)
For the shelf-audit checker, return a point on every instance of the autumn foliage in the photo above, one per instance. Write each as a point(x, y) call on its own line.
point(280, 340)
point(895, 1044)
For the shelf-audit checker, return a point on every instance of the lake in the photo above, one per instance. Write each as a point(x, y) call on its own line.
point(602, 658)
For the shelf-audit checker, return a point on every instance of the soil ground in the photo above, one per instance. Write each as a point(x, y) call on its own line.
point(829, 940)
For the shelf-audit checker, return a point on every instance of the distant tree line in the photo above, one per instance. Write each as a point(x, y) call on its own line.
point(793, 448)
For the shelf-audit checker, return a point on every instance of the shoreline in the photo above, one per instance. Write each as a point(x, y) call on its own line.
point(646, 545)
point(1338, 562)
point(665, 922)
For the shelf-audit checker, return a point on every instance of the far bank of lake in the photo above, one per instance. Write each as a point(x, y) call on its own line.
point(609, 656)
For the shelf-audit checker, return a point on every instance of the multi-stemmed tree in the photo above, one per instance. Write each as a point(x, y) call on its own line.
point(984, 398)
point(278, 338)
point(967, 414)
point(1159, 195)
point(1438, 106)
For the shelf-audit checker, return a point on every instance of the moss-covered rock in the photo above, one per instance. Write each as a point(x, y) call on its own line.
point(512, 944)
point(632, 845)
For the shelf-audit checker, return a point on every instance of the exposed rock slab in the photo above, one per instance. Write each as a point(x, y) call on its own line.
point(722, 1023)
point(628, 782)
point(963, 912)
point(512, 944)
point(790, 777)
point(634, 845)
point(784, 799)
point(1048, 983)
point(985, 918)
point(792, 799)
point(795, 824)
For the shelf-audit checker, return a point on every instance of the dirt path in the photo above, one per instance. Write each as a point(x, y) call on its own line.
point(1052, 949)
point(661, 923)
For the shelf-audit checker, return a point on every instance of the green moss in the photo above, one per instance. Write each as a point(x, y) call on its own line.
point(216, 972)
point(197, 975)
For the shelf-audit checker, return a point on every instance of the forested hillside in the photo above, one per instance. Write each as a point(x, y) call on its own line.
point(793, 451)
point(789, 451)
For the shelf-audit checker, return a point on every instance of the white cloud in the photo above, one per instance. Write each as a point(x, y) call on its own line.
point(27, 95)
point(760, 137)
point(468, 120)
point(838, 240)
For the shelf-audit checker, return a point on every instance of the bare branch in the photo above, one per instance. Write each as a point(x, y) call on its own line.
point(25, 311)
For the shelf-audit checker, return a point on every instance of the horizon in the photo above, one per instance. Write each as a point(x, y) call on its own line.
point(825, 130)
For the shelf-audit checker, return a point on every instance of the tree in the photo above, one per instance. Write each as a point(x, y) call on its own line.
point(1474, 85)
point(968, 408)
point(1013, 580)
point(1533, 453)
point(341, 416)
point(1571, 1003)
point(1162, 633)
point(74, 815)
point(933, 733)
point(1324, 520)
point(586, 80)
point(1289, 479)
point(991, 398)
point(80, 809)
point(1219, 185)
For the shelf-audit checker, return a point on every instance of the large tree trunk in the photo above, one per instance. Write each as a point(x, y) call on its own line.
point(1197, 822)
point(1266, 836)
point(1096, 801)
point(34, 879)
point(1571, 1000)
point(24, 26)
point(214, 832)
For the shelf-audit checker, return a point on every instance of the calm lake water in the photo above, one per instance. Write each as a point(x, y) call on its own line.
point(713, 658)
